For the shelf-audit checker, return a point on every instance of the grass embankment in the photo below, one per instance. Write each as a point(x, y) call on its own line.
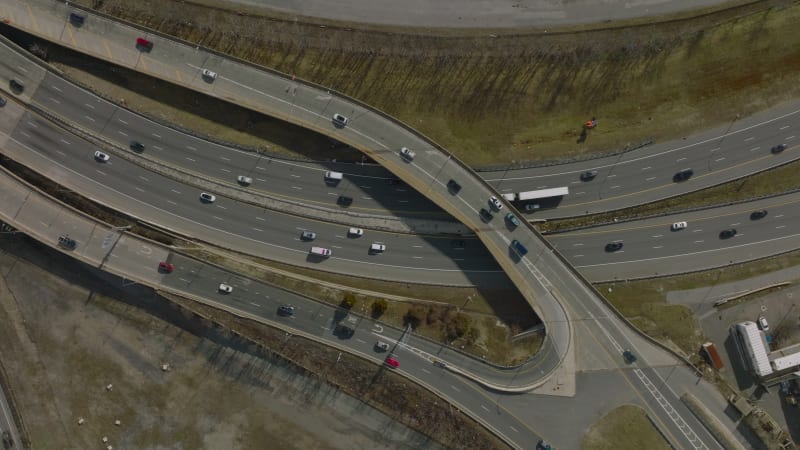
point(645, 304)
point(781, 179)
point(522, 95)
point(626, 427)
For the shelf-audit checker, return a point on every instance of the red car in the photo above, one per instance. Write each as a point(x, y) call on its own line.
point(391, 362)
point(144, 44)
point(165, 267)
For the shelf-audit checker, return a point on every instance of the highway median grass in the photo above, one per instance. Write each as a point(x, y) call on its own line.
point(626, 427)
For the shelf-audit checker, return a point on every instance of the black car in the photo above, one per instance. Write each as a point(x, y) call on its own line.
point(16, 86)
point(286, 310)
point(729, 233)
point(137, 146)
point(613, 246)
point(344, 200)
point(778, 148)
point(519, 247)
point(630, 358)
point(2, 102)
point(76, 19)
point(760, 214)
point(588, 175)
point(453, 187)
point(67, 242)
point(459, 244)
point(486, 215)
point(7, 441)
point(683, 175)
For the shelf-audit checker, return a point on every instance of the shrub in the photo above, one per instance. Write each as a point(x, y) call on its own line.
point(414, 316)
point(348, 301)
point(379, 307)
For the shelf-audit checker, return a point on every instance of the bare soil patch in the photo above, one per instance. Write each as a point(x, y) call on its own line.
point(523, 94)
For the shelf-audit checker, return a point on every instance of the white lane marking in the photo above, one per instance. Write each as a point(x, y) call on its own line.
point(32, 125)
point(190, 159)
point(455, 388)
point(221, 207)
point(261, 219)
point(25, 134)
point(426, 371)
point(171, 202)
point(611, 176)
point(60, 153)
point(156, 135)
point(366, 198)
point(66, 142)
point(295, 176)
point(485, 408)
point(698, 242)
point(658, 236)
point(779, 216)
point(513, 429)
point(780, 226)
point(177, 192)
point(784, 127)
point(138, 188)
point(297, 188)
point(101, 172)
point(755, 148)
point(224, 158)
point(157, 147)
point(659, 246)
point(749, 139)
point(697, 230)
point(54, 87)
point(143, 178)
point(577, 245)
point(417, 246)
point(650, 179)
point(646, 168)
point(615, 187)
point(714, 149)
point(88, 106)
point(89, 118)
point(578, 256)
point(719, 159)
point(255, 304)
point(681, 159)
point(580, 193)
point(122, 121)
point(55, 100)
point(257, 229)
point(225, 170)
point(218, 218)
point(122, 133)
point(789, 138)
point(190, 147)
point(735, 224)
point(417, 257)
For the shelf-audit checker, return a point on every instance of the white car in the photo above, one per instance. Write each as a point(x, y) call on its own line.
point(225, 288)
point(339, 120)
point(377, 247)
point(495, 203)
point(382, 346)
point(209, 75)
point(207, 198)
point(762, 322)
point(243, 180)
point(679, 226)
point(407, 153)
point(100, 156)
point(355, 232)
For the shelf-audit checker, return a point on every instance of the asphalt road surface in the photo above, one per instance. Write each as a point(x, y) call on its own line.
point(480, 14)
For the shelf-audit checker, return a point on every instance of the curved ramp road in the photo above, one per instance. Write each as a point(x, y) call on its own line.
point(375, 134)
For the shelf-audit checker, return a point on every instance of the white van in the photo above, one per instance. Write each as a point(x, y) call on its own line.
point(333, 175)
point(377, 247)
point(320, 251)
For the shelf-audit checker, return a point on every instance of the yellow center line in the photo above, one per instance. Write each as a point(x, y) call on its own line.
point(108, 50)
point(71, 35)
point(178, 75)
point(33, 18)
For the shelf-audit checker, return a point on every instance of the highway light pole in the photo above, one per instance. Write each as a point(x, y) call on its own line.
point(119, 231)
